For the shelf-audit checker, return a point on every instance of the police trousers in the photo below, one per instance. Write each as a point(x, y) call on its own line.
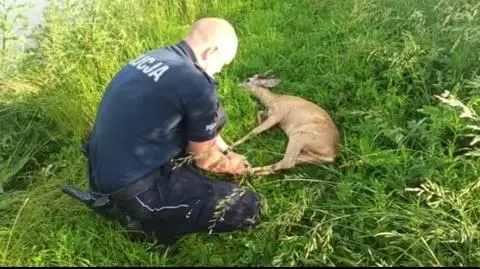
point(186, 202)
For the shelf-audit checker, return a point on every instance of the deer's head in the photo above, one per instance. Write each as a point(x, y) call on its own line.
point(261, 80)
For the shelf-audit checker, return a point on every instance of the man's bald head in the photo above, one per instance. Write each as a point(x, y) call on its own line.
point(214, 42)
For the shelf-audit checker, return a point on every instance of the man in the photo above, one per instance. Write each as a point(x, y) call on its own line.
point(160, 107)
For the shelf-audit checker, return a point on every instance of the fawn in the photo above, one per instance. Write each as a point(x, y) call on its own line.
point(312, 135)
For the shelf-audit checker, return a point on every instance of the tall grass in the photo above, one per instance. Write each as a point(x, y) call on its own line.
point(404, 191)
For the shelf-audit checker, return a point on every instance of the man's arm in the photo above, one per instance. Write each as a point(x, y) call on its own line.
point(209, 157)
point(203, 141)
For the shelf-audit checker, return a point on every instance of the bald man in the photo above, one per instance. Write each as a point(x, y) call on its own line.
point(159, 108)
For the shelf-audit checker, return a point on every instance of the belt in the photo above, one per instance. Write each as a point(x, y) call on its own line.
point(137, 187)
point(104, 204)
point(141, 185)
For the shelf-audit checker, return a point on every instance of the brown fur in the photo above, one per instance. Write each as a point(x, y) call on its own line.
point(312, 135)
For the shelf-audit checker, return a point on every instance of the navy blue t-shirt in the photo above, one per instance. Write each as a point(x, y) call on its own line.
point(151, 108)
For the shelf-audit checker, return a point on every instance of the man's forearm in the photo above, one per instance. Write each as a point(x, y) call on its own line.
point(211, 155)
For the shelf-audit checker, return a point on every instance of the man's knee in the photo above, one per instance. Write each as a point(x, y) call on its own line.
point(236, 211)
point(248, 208)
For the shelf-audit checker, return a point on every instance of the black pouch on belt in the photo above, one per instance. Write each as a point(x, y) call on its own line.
point(100, 203)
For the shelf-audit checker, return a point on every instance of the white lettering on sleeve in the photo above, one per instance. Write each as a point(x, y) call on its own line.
point(211, 127)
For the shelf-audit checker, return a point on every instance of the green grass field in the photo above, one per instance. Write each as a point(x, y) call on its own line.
point(402, 192)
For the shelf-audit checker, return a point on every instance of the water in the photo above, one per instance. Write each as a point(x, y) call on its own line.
point(34, 16)
point(35, 13)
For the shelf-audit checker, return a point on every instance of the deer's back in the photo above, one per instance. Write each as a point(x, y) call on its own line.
point(302, 115)
point(299, 110)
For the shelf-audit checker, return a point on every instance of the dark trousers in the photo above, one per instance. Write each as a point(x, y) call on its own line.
point(187, 202)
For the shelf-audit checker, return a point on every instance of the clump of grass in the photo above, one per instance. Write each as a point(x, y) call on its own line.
point(467, 113)
point(402, 192)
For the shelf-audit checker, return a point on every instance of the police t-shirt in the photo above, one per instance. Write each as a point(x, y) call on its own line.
point(150, 109)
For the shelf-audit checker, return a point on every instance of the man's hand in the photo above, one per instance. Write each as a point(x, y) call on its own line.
point(208, 156)
point(239, 163)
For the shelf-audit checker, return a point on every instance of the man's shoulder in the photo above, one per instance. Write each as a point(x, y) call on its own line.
point(185, 68)
point(154, 64)
point(171, 67)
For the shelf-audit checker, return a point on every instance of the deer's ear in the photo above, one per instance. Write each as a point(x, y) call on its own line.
point(267, 73)
point(269, 82)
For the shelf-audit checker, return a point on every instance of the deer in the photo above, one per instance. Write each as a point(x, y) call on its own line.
point(313, 137)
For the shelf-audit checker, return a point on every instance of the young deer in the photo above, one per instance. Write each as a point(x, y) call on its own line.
point(312, 135)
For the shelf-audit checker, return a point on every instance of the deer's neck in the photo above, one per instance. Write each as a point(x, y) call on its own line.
point(264, 95)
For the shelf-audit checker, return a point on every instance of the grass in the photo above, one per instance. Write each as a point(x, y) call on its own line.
point(402, 192)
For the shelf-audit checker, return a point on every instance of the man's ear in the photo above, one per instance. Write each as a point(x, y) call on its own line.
point(206, 53)
point(212, 50)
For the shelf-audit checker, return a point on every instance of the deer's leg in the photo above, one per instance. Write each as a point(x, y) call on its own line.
point(267, 124)
point(291, 153)
point(308, 158)
point(315, 153)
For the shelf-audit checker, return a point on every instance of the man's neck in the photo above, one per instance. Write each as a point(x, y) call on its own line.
point(193, 49)
point(195, 53)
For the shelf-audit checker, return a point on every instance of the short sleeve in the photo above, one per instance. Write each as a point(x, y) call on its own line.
point(201, 114)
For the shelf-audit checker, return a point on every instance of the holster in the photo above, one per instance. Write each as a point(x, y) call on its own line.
point(107, 205)
point(100, 203)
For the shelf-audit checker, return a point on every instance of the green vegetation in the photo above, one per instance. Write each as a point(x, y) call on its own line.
point(402, 192)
